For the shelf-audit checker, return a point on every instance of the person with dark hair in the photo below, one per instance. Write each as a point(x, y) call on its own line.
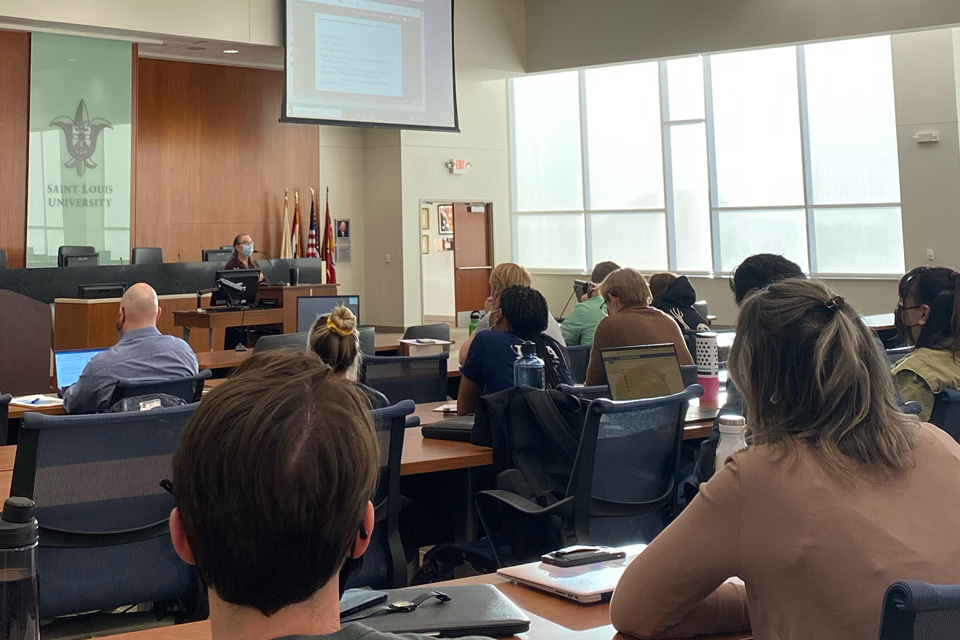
point(675, 296)
point(242, 258)
point(273, 478)
point(755, 273)
point(928, 317)
point(581, 324)
point(519, 315)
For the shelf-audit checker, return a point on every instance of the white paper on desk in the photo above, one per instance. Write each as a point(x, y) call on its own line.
point(37, 400)
point(447, 408)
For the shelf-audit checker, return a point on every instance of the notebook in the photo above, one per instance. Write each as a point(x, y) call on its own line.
point(70, 364)
point(648, 371)
point(585, 584)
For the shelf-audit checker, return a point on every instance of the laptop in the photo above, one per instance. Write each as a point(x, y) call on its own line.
point(647, 371)
point(70, 364)
point(586, 584)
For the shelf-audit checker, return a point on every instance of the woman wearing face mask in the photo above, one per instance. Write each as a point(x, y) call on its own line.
point(928, 317)
point(242, 258)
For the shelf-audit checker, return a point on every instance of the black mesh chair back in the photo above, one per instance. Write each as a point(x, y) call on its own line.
point(146, 255)
point(368, 340)
point(946, 412)
point(216, 255)
point(189, 389)
point(897, 354)
point(429, 331)
point(104, 534)
point(73, 250)
point(627, 471)
point(578, 358)
point(384, 564)
point(914, 610)
point(417, 378)
point(3, 258)
point(282, 341)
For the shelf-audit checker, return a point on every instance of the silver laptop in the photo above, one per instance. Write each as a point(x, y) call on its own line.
point(70, 364)
point(585, 584)
point(648, 371)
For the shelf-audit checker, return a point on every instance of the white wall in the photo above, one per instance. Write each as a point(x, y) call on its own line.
point(341, 169)
point(436, 268)
point(577, 33)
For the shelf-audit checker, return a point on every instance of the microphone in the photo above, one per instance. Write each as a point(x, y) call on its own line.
point(273, 268)
point(201, 292)
point(121, 262)
point(179, 259)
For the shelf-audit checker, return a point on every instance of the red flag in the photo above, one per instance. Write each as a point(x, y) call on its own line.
point(295, 231)
point(327, 248)
point(312, 247)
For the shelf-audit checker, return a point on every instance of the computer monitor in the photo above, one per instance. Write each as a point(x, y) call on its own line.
point(70, 365)
point(85, 260)
point(648, 371)
point(217, 255)
point(97, 291)
point(236, 288)
point(309, 308)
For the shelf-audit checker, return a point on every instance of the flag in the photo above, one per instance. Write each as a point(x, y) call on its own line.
point(286, 251)
point(312, 248)
point(327, 248)
point(295, 231)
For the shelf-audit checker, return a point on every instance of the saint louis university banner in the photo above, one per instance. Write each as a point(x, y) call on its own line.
point(80, 147)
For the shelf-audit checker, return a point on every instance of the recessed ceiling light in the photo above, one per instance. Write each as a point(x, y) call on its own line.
point(231, 51)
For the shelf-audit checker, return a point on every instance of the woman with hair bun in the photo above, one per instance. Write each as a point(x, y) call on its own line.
point(335, 339)
point(928, 317)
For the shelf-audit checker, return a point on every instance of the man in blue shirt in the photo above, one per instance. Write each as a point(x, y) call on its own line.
point(143, 354)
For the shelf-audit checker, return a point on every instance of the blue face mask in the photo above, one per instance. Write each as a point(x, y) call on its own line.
point(247, 250)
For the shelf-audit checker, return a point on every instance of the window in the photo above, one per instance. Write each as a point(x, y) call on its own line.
point(694, 164)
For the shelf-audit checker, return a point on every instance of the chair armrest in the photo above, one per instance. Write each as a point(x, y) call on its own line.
point(525, 506)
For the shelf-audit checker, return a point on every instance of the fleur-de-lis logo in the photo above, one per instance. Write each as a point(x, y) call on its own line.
point(82, 134)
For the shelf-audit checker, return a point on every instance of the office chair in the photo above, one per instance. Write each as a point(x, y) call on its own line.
point(146, 255)
point(281, 341)
point(384, 564)
point(188, 389)
point(104, 532)
point(587, 393)
point(622, 488)
point(578, 359)
point(73, 250)
point(946, 412)
point(417, 378)
point(3, 258)
point(216, 255)
point(7, 432)
point(915, 610)
point(429, 331)
point(226, 247)
point(897, 354)
point(368, 340)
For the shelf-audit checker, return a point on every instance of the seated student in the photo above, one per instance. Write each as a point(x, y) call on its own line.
point(242, 258)
point(519, 314)
point(753, 274)
point(582, 322)
point(506, 274)
point(335, 339)
point(275, 567)
point(142, 354)
point(631, 321)
point(674, 295)
point(839, 495)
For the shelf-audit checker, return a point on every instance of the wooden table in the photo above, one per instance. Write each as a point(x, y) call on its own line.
point(212, 320)
point(222, 359)
point(551, 618)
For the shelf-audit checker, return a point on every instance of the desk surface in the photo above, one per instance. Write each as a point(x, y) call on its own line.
point(550, 618)
point(222, 319)
point(879, 321)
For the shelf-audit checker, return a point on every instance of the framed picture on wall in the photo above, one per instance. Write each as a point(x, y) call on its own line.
point(424, 218)
point(425, 243)
point(445, 214)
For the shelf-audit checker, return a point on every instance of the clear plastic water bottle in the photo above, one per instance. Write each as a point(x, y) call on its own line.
point(19, 607)
point(528, 369)
point(732, 438)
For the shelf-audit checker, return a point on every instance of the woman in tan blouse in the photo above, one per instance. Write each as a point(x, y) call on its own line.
point(838, 496)
point(631, 321)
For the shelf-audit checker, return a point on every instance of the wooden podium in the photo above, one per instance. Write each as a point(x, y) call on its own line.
point(25, 337)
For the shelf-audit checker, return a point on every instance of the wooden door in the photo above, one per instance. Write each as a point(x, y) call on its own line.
point(472, 255)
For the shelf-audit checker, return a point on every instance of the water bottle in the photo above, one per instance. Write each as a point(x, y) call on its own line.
point(528, 369)
point(474, 320)
point(19, 607)
point(732, 438)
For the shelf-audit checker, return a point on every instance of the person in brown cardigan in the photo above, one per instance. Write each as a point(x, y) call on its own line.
point(630, 321)
point(838, 496)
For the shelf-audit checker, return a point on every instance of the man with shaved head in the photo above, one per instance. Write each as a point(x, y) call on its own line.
point(142, 354)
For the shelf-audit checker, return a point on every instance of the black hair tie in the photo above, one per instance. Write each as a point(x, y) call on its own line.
point(834, 304)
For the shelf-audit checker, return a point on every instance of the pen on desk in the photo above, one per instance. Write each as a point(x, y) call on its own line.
point(35, 401)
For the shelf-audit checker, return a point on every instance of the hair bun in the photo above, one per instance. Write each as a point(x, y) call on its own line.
point(344, 320)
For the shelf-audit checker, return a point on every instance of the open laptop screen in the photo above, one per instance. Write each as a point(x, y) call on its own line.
point(70, 365)
point(648, 371)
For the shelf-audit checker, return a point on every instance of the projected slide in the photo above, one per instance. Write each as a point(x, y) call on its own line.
point(371, 63)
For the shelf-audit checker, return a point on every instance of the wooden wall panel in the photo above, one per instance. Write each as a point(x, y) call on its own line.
point(14, 135)
point(213, 160)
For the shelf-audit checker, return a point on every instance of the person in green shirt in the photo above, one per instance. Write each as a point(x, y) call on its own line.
point(582, 322)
